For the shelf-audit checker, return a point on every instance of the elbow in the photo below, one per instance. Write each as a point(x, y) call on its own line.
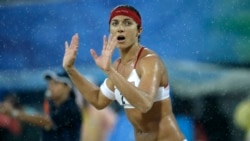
point(145, 108)
point(98, 106)
point(146, 104)
point(144, 111)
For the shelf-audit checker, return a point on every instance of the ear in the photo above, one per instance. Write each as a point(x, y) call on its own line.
point(139, 31)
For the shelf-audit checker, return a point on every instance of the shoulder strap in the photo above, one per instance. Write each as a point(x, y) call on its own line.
point(138, 56)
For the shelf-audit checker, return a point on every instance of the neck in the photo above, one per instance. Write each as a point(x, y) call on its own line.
point(61, 100)
point(129, 53)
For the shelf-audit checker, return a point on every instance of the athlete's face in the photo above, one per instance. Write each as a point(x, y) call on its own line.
point(125, 29)
point(57, 89)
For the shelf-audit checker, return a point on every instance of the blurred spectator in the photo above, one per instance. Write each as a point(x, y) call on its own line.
point(61, 120)
point(213, 121)
point(184, 115)
point(10, 128)
point(98, 124)
point(242, 117)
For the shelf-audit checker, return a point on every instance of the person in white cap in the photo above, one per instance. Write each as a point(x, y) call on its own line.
point(61, 120)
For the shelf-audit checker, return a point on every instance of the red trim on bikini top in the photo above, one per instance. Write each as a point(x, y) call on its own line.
point(137, 58)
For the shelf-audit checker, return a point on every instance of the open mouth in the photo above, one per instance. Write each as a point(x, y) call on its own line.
point(120, 38)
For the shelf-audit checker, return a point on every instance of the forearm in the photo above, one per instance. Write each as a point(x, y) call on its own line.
point(89, 90)
point(135, 96)
point(37, 120)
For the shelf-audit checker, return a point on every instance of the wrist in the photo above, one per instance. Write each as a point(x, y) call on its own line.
point(70, 70)
point(110, 71)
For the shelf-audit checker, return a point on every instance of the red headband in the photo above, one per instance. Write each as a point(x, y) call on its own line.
point(126, 12)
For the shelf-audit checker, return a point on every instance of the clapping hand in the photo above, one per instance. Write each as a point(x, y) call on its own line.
point(104, 60)
point(70, 52)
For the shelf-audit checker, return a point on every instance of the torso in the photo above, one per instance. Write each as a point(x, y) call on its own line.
point(158, 124)
point(66, 122)
point(163, 91)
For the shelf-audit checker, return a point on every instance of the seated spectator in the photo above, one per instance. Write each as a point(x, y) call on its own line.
point(10, 128)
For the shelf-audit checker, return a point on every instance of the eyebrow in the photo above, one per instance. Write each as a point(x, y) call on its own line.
point(127, 19)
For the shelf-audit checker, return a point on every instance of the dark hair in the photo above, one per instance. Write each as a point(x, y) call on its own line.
point(133, 9)
point(72, 94)
point(128, 7)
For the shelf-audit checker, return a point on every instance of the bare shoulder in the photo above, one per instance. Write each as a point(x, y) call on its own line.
point(150, 64)
point(149, 58)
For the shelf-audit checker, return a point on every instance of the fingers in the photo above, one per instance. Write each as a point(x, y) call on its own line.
point(93, 53)
point(104, 42)
point(74, 41)
point(66, 45)
point(109, 41)
point(109, 44)
point(113, 42)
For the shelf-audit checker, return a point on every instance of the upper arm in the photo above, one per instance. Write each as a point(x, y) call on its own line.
point(152, 74)
point(103, 101)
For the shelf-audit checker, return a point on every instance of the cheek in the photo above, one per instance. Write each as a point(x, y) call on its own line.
point(112, 30)
point(55, 91)
point(132, 35)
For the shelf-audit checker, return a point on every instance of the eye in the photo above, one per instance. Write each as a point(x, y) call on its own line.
point(114, 23)
point(127, 22)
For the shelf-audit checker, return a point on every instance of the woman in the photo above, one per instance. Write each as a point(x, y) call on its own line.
point(137, 80)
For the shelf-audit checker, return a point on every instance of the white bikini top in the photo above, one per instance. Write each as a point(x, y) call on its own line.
point(163, 92)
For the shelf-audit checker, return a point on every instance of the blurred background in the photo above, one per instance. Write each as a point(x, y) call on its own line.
point(205, 45)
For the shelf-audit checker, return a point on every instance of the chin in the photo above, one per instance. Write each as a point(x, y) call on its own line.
point(121, 45)
point(118, 46)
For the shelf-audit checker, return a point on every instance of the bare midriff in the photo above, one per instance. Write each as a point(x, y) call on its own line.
point(158, 124)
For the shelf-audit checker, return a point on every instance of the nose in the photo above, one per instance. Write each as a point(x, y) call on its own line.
point(120, 28)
